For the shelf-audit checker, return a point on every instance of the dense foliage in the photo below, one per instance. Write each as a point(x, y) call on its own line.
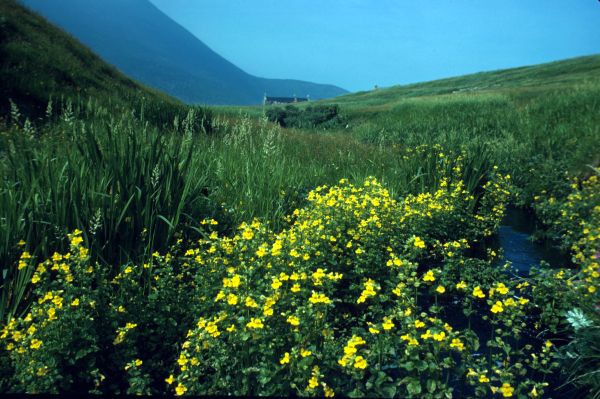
point(149, 247)
point(318, 116)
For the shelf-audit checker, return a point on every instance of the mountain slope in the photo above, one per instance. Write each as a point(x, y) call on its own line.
point(39, 61)
point(147, 45)
point(548, 76)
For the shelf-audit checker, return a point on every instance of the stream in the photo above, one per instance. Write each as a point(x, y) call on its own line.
point(514, 238)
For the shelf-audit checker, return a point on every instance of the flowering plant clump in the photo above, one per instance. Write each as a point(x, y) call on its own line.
point(362, 294)
point(53, 347)
point(570, 297)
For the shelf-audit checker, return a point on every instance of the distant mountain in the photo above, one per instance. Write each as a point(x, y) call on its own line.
point(147, 45)
point(39, 61)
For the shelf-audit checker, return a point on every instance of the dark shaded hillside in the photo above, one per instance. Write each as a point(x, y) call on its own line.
point(147, 45)
point(39, 61)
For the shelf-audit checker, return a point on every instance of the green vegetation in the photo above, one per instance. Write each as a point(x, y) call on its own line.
point(533, 121)
point(149, 247)
point(320, 116)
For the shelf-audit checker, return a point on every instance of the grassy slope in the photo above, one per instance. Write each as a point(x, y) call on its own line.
point(550, 76)
point(39, 60)
point(533, 121)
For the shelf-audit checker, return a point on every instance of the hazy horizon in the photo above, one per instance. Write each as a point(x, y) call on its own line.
point(358, 44)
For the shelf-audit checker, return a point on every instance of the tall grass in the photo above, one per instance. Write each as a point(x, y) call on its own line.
point(534, 133)
point(132, 178)
point(128, 186)
point(131, 186)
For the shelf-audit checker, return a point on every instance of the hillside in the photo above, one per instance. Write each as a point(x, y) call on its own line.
point(549, 76)
point(147, 45)
point(39, 61)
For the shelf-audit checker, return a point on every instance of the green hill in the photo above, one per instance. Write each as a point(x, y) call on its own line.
point(39, 61)
point(549, 76)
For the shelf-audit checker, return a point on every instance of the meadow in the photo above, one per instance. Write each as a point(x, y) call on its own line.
point(211, 251)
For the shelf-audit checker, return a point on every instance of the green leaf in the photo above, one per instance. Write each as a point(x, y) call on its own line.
point(409, 366)
point(414, 388)
point(431, 385)
point(388, 391)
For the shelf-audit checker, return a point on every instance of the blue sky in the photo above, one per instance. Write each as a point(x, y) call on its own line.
point(357, 44)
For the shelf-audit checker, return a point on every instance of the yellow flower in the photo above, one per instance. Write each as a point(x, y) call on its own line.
point(509, 302)
point(233, 282)
point(276, 283)
point(295, 288)
point(478, 293)
point(319, 298)
point(219, 296)
point(35, 343)
point(439, 336)
point(170, 379)
point(429, 276)
point(457, 343)
point(419, 324)
point(182, 361)
point(305, 353)
point(523, 301)
point(75, 302)
point(255, 323)
point(261, 252)
point(440, 289)
point(483, 379)
point(293, 320)
point(138, 362)
point(419, 243)
point(75, 241)
point(343, 361)
point(349, 350)
point(231, 328)
point(328, 392)
point(360, 362)
point(388, 324)
point(373, 330)
point(507, 390)
point(497, 307)
point(180, 389)
point(501, 289)
point(251, 303)
point(247, 234)
point(213, 329)
point(461, 286)
point(232, 299)
point(285, 359)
